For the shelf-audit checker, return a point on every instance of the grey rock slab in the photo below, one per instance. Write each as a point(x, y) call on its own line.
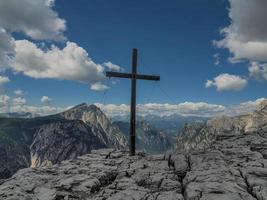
point(103, 174)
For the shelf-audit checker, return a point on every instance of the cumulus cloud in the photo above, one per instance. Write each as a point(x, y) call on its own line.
point(70, 63)
point(35, 18)
point(46, 99)
point(185, 109)
point(258, 71)
point(19, 104)
point(112, 66)
point(4, 80)
point(38, 20)
point(246, 36)
point(227, 82)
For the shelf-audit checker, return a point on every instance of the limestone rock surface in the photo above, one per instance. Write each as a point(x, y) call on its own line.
point(234, 169)
point(103, 174)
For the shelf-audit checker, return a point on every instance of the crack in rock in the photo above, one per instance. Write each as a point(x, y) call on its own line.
point(103, 174)
point(249, 189)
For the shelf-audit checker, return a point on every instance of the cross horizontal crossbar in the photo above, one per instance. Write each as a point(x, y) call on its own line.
point(137, 76)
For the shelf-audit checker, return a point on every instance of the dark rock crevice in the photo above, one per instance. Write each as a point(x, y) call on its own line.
point(249, 188)
point(181, 165)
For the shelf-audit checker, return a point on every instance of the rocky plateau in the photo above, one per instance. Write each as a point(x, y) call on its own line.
point(223, 159)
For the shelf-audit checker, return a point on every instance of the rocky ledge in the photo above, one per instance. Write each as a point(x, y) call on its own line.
point(234, 168)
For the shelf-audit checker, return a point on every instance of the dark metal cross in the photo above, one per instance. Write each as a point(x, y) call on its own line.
point(134, 76)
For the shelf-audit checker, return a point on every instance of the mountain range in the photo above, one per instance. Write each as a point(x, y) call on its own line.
point(148, 138)
point(51, 139)
point(198, 136)
point(170, 124)
point(43, 141)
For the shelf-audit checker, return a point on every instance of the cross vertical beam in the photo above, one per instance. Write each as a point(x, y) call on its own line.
point(134, 76)
point(133, 103)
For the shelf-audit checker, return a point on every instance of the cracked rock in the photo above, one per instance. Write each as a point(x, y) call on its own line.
point(103, 174)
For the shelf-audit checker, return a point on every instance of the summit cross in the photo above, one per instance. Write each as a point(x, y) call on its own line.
point(134, 76)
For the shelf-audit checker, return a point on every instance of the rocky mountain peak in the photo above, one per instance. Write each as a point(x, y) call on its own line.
point(84, 107)
point(87, 113)
point(101, 125)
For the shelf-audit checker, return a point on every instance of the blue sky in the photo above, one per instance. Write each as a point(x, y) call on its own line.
point(174, 39)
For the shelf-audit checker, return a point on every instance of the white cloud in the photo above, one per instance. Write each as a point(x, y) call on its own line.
point(4, 80)
point(99, 86)
point(37, 110)
point(18, 92)
point(70, 63)
point(112, 66)
point(203, 109)
point(18, 102)
point(246, 36)
point(35, 18)
point(250, 50)
point(186, 109)
point(227, 82)
point(258, 71)
point(46, 99)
